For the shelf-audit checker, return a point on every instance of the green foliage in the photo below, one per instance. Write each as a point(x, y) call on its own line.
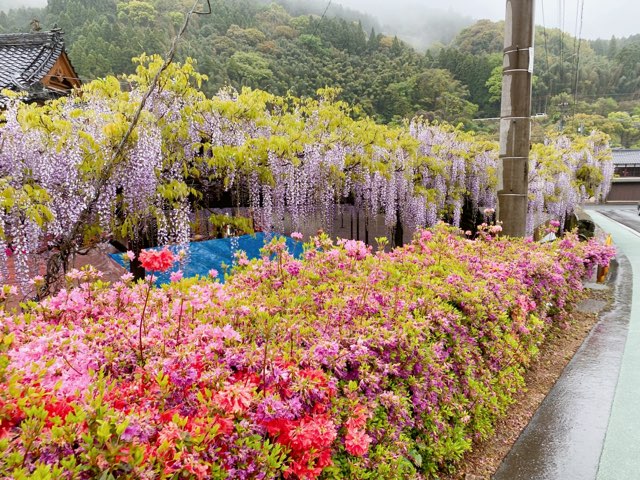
point(605, 68)
point(248, 43)
point(236, 225)
point(288, 49)
point(31, 201)
point(248, 68)
point(494, 84)
point(483, 37)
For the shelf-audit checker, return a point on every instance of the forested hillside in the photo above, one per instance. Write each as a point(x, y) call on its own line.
point(248, 43)
point(291, 48)
point(587, 69)
point(580, 85)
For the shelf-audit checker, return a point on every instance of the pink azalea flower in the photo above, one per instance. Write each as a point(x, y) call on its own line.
point(333, 254)
point(236, 397)
point(356, 249)
point(293, 267)
point(357, 442)
point(75, 274)
point(296, 236)
point(175, 276)
point(127, 277)
point(37, 280)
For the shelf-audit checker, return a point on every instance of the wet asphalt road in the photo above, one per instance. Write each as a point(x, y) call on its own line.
point(625, 214)
point(566, 436)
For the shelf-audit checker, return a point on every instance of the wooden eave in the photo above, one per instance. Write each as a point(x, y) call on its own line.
point(62, 77)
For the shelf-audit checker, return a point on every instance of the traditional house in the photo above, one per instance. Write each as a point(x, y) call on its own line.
point(625, 186)
point(36, 63)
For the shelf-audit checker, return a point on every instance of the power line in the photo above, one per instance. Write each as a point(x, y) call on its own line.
point(605, 95)
point(546, 57)
point(577, 73)
point(562, 5)
point(322, 17)
point(575, 32)
point(575, 38)
point(544, 34)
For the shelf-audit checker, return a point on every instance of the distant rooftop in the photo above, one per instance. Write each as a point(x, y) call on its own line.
point(36, 63)
point(625, 156)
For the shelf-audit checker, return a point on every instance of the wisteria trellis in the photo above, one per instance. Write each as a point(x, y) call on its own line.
point(285, 158)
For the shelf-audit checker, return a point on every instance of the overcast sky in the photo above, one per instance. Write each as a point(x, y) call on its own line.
point(602, 18)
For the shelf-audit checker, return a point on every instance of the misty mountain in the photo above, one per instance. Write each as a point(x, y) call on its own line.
point(6, 5)
point(412, 21)
point(332, 10)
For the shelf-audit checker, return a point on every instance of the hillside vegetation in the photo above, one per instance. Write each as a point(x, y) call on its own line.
point(292, 49)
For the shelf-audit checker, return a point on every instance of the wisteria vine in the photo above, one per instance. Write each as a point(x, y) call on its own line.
point(286, 160)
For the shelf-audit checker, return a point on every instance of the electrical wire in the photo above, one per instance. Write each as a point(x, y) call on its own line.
point(577, 71)
point(64, 77)
point(576, 45)
point(322, 17)
point(546, 58)
point(575, 32)
point(632, 96)
point(544, 35)
point(562, 5)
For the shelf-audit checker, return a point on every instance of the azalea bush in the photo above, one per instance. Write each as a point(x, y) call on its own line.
point(342, 364)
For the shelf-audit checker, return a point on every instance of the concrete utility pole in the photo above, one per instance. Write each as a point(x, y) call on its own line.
point(515, 117)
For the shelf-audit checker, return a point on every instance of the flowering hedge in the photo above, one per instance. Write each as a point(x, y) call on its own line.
point(344, 364)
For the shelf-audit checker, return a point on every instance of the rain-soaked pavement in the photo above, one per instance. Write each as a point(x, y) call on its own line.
point(583, 430)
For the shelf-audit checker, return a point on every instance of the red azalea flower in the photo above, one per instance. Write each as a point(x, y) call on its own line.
point(167, 415)
point(57, 408)
point(225, 424)
point(358, 419)
point(236, 398)
point(10, 416)
point(280, 428)
point(157, 261)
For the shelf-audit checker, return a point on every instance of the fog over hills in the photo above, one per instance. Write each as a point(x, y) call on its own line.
point(599, 19)
point(413, 21)
point(423, 22)
point(8, 4)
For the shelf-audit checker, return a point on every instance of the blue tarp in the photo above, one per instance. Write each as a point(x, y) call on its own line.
point(212, 254)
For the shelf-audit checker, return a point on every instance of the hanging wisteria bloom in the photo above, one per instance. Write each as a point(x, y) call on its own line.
point(292, 164)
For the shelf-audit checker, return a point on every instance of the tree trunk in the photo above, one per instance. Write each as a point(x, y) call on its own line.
point(398, 232)
point(134, 265)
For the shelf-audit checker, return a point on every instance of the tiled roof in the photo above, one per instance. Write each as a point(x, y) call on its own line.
point(25, 58)
point(625, 157)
